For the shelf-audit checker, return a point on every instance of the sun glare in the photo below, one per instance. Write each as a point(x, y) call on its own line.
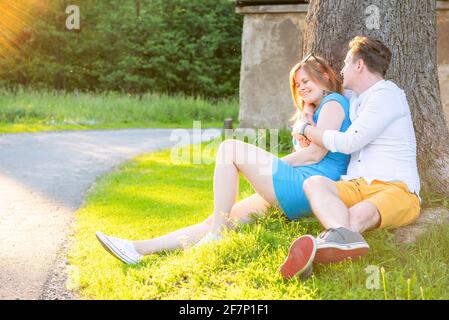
point(14, 19)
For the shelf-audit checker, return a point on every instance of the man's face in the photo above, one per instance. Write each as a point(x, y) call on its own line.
point(349, 72)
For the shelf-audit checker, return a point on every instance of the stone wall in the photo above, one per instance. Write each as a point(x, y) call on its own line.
point(272, 43)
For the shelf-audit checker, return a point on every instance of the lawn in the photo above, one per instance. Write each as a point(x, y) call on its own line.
point(44, 110)
point(150, 196)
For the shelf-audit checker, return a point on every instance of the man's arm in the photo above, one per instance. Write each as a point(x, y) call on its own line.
point(379, 112)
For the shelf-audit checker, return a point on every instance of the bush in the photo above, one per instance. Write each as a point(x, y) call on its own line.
point(136, 46)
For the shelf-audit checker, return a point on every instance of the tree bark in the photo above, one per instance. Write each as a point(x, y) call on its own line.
point(408, 28)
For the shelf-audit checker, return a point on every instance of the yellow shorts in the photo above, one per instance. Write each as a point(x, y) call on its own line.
point(397, 206)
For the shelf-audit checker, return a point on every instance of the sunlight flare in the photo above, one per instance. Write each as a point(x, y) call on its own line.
point(15, 20)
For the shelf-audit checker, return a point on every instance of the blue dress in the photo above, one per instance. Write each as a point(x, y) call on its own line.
point(288, 180)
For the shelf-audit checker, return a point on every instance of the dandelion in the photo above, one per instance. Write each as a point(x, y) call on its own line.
point(408, 289)
point(382, 272)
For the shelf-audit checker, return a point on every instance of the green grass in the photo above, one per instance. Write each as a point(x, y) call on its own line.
point(150, 196)
point(31, 111)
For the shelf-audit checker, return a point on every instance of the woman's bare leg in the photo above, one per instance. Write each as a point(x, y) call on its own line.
point(181, 238)
point(233, 156)
point(244, 211)
point(254, 163)
point(241, 212)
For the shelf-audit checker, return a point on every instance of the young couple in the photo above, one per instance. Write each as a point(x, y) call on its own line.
point(356, 170)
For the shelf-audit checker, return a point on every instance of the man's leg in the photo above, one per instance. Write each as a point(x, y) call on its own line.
point(332, 212)
point(338, 241)
point(326, 203)
point(363, 216)
point(385, 204)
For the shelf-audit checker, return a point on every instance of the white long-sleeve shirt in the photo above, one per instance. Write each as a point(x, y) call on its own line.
point(381, 138)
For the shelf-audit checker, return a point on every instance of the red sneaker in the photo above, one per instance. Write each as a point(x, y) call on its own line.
point(300, 257)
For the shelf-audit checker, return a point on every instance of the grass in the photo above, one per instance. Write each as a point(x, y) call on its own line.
point(31, 111)
point(150, 196)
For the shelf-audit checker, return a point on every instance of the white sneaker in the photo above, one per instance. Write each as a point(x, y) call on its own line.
point(208, 238)
point(121, 249)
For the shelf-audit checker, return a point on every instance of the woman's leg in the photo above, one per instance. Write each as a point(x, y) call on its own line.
point(244, 211)
point(181, 238)
point(232, 156)
point(254, 163)
point(241, 212)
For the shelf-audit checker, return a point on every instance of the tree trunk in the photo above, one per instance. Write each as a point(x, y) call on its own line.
point(408, 28)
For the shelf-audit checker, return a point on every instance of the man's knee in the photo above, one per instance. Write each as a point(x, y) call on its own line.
point(316, 185)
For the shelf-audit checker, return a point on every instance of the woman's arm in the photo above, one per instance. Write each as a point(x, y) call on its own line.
point(331, 117)
point(305, 156)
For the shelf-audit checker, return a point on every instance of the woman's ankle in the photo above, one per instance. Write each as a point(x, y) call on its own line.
point(139, 248)
point(221, 223)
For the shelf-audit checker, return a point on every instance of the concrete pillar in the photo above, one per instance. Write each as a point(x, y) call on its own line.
point(271, 46)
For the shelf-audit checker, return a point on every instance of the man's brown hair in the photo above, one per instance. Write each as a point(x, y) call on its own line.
point(373, 52)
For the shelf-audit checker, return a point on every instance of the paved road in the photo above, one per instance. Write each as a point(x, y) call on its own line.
point(43, 180)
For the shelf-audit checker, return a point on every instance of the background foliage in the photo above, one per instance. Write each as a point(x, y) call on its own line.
point(136, 46)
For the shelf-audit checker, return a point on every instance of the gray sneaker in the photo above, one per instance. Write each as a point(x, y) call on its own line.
point(334, 245)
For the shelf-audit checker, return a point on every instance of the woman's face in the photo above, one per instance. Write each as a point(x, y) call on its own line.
point(307, 89)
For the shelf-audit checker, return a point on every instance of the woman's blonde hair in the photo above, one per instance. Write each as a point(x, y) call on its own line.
point(320, 72)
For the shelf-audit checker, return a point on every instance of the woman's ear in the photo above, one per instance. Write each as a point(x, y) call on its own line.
point(360, 65)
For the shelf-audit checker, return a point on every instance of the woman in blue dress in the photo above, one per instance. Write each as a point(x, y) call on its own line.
point(317, 93)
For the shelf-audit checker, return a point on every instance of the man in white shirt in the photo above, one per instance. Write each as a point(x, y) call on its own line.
point(381, 187)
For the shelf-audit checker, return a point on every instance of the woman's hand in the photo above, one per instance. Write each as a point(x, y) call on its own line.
point(303, 141)
point(307, 114)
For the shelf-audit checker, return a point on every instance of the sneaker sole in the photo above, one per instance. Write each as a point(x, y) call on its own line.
point(109, 247)
point(335, 254)
point(300, 256)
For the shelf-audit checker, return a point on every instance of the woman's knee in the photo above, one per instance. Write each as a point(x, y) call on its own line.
point(238, 152)
point(228, 149)
point(230, 144)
